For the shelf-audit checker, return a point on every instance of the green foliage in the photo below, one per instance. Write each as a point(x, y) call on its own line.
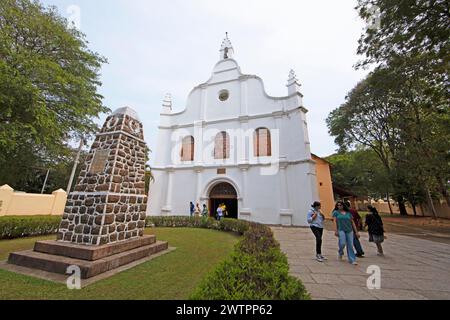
point(407, 29)
point(256, 270)
point(48, 89)
point(360, 171)
point(403, 117)
point(12, 227)
point(228, 225)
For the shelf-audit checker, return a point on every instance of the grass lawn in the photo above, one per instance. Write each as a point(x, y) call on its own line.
point(172, 276)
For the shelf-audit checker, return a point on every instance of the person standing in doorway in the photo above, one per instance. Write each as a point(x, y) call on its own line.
point(316, 219)
point(358, 223)
point(219, 213)
point(345, 229)
point(224, 210)
point(191, 209)
point(376, 229)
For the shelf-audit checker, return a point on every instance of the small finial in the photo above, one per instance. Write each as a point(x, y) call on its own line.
point(167, 103)
point(293, 83)
point(226, 50)
point(292, 75)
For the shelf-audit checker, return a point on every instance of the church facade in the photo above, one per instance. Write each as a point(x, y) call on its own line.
point(234, 144)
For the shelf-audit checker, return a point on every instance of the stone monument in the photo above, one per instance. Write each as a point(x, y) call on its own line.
point(109, 201)
point(102, 226)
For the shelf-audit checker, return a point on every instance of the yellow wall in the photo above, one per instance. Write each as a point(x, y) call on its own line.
point(28, 204)
point(325, 186)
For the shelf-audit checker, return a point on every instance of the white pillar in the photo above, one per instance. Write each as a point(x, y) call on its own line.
point(198, 193)
point(244, 97)
point(167, 209)
point(204, 101)
point(243, 141)
point(285, 210)
point(198, 143)
point(245, 212)
point(244, 154)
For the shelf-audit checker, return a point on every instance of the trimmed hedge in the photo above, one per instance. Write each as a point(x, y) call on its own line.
point(256, 269)
point(229, 225)
point(12, 227)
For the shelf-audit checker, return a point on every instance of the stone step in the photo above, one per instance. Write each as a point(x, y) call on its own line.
point(59, 264)
point(91, 253)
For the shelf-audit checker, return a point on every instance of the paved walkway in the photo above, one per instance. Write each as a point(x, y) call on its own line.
point(412, 268)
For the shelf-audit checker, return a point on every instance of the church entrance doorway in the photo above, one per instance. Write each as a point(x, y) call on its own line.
point(224, 193)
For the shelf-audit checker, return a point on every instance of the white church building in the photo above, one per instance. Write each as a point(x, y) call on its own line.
point(235, 144)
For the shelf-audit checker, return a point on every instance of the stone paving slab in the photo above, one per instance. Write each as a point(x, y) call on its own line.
point(412, 269)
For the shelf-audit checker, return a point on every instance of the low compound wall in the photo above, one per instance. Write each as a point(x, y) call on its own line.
point(441, 207)
point(29, 204)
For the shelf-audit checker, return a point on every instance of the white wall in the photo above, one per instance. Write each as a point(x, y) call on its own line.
point(262, 196)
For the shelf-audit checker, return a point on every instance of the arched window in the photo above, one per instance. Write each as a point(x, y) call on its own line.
point(262, 145)
point(187, 149)
point(222, 146)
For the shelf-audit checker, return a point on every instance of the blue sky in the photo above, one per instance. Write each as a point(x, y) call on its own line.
point(158, 47)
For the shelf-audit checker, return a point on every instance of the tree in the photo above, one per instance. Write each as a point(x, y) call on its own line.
point(367, 119)
point(407, 28)
point(360, 171)
point(401, 111)
point(415, 34)
point(404, 119)
point(48, 89)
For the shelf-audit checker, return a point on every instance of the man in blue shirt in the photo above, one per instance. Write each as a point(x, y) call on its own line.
point(191, 209)
point(316, 219)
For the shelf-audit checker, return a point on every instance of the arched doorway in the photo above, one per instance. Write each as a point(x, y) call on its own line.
point(224, 193)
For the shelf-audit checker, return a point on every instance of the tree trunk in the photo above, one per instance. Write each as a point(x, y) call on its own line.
point(401, 206)
point(421, 209)
point(389, 204)
point(430, 204)
point(443, 190)
point(414, 209)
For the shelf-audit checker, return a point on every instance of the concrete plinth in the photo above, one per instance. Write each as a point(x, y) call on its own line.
point(56, 257)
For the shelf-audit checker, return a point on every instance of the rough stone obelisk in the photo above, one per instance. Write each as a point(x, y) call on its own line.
point(109, 201)
point(102, 227)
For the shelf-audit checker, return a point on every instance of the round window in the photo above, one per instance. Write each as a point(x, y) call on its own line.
point(224, 95)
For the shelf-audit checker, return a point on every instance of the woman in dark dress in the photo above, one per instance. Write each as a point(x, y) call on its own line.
point(375, 228)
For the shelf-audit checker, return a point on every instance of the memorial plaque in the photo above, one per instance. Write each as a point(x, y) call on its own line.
point(99, 161)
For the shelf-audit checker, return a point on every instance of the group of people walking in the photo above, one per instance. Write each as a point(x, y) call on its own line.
point(347, 225)
point(195, 211)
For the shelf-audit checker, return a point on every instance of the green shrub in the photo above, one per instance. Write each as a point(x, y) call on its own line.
point(258, 240)
point(256, 270)
point(246, 277)
point(12, 227)
point(229, 225)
